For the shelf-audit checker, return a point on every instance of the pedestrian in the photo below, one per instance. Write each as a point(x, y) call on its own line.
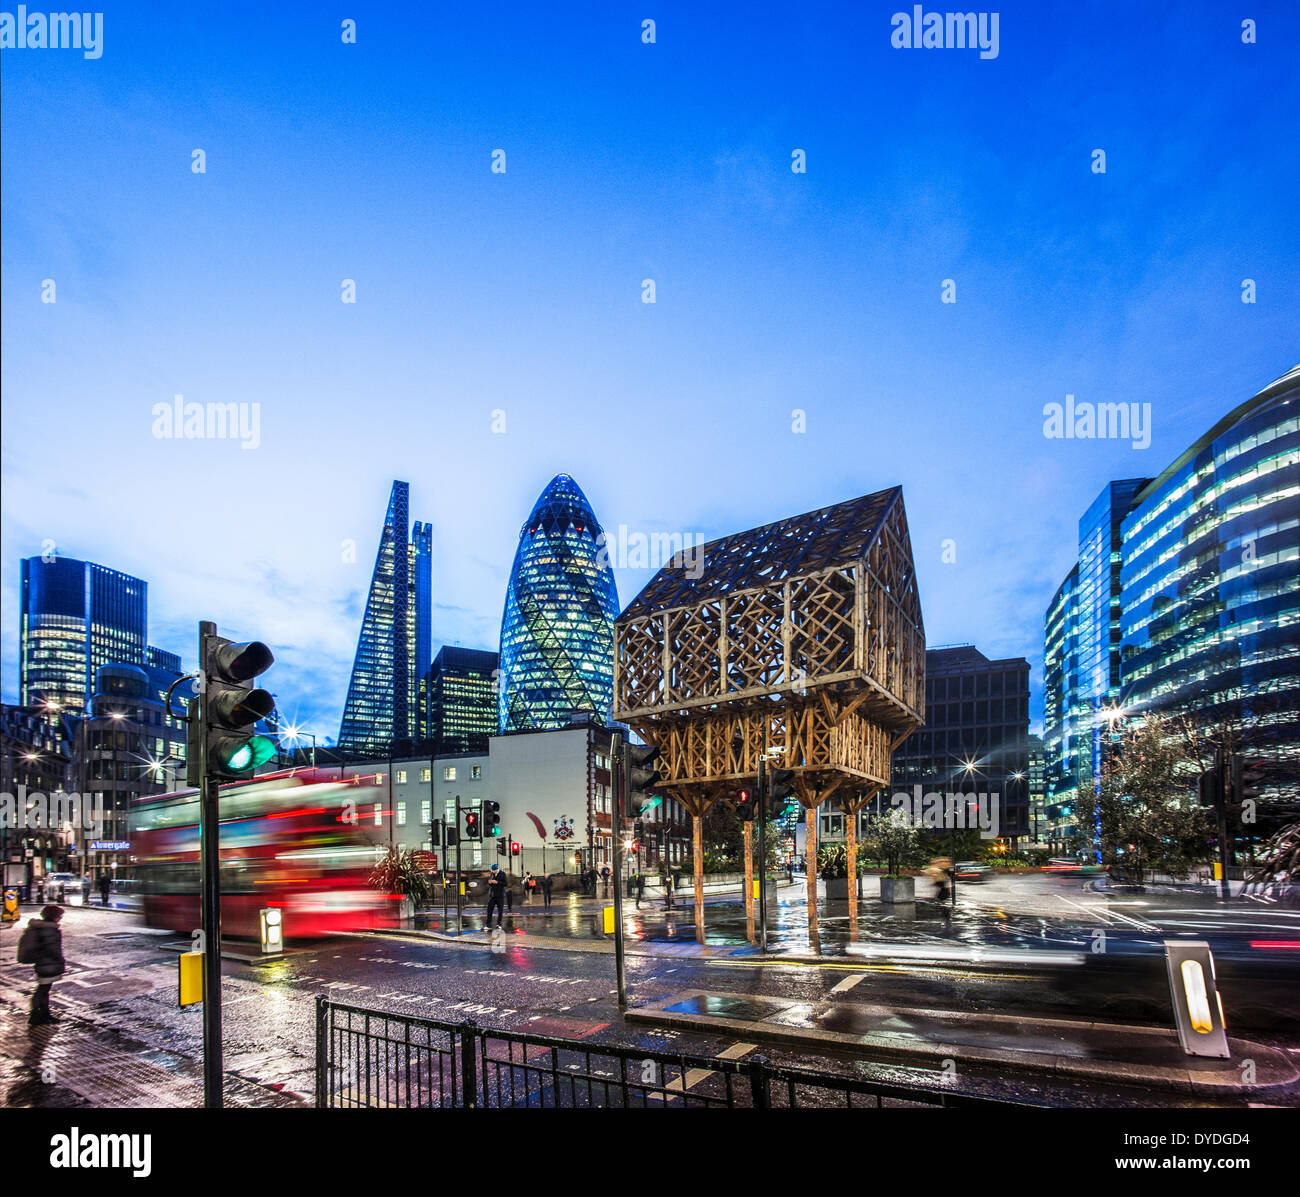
point(496, 895)
point(548, 883)
point(42, 947)
point(85, 888)
point(640, 889)
point(529, 886)
point(604, 876)
point(105, 881)
point(668, 889)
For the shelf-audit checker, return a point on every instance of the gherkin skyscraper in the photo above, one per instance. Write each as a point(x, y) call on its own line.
point(557, 630)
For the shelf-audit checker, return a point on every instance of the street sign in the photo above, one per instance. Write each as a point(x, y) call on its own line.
point(110, 845)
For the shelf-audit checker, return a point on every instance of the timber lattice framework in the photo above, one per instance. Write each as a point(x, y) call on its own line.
point(804, 635)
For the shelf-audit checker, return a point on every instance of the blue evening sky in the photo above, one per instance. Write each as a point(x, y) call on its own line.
point(522, 292)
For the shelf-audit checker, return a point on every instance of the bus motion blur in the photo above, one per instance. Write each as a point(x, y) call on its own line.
point(304, 840)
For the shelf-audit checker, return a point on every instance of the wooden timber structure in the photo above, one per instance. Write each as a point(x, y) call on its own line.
point(804, 635)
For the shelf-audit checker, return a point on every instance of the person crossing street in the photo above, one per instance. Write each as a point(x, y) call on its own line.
point(497, 882)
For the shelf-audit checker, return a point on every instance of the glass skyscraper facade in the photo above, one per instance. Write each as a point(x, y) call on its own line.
point(384, 705)
point(557, 629)
point(1081, 649)
point(462, 699)
point(1060, 673)
point(1186, 597)
point(1211, 576)
point(75, 618)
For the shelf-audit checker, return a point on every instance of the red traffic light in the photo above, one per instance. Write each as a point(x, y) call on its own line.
point(514, 847)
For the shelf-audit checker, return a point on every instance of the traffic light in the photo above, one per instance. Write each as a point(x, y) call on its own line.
point(780, 789)
point(228, 711)
point(492, 818)
point(638, 829)
point(514, 847)
point(452, 837)
point(435, 834)
point(641, 777)
point(745, 805)
point(473, 828)
point(1247, 779)
point(501, 847)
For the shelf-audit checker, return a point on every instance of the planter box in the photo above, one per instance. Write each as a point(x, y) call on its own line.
point(837, 889)
point(898, 890)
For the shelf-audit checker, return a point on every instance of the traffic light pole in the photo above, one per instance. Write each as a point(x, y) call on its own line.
point(1221, 821)
point(761, 799)
point(460, 918)
point(619, 779)
point(209, 858)
point(442, 851)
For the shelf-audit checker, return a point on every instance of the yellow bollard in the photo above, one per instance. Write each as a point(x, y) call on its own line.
point(609, 920)
point(191, 978)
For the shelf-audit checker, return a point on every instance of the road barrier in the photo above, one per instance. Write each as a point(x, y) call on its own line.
point(368, 1059)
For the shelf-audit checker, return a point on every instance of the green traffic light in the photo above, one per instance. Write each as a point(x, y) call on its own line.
point(250, 754)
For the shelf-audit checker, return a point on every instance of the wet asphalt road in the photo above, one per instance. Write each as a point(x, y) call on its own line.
point(123, 976)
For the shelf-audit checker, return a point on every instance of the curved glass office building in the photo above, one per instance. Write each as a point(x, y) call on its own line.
point(1211, 573)
point(557, 630)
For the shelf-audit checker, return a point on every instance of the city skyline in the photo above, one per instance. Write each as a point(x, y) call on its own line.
point(499, 321)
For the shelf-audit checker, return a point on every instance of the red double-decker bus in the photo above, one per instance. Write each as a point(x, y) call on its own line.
point(298, 840)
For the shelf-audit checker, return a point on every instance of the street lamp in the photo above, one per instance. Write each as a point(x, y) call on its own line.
point(294, 734)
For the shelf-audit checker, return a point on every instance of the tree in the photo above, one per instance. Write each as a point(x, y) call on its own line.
point(892, 838)
point(1142, 811)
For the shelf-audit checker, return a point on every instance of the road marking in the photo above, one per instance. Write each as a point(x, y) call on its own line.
point(696, 1075)
point(736, 1050)
point(847, 984)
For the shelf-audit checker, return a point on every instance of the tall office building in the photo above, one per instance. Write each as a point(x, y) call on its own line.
point(1186, 599)
point(383, 706)
point(77, 617)
point(1210, 605)
point(462, 699)
point(976, 733)
point(557, 630)
point(1081, 649)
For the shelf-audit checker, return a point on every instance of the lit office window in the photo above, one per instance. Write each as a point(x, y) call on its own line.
point(379, 815)
point(401, 776)
point(426, 774)
point(476, 772)
point(401, 814)
point(449, 773)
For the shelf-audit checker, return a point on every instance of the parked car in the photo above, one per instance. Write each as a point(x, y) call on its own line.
point(969, 870)
point(61, 885)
